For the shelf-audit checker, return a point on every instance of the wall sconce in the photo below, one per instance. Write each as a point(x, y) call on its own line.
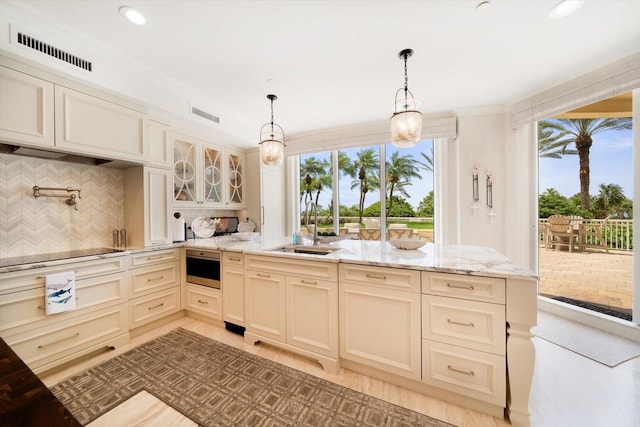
point(476, 186)
point(489, 191)
point(272, 140)
point(406, 122)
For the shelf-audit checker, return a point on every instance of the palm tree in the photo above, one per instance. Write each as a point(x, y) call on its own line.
point(365, 173)
point(552, 144)
point(315, 175)
point(400, 170)
point(609, 199)
point(311, 168)
point(581, 131)
point(427, 163)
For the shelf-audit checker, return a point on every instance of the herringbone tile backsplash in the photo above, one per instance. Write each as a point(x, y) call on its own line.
point(30, 226)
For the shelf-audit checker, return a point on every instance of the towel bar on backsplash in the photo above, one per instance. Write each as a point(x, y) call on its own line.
point(71, 198)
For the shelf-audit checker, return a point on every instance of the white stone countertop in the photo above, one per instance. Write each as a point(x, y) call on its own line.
point(459, 259)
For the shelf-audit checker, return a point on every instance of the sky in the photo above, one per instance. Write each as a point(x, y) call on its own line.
point(610, 161)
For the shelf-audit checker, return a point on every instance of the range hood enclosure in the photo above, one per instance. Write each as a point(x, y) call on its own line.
point(65, 157)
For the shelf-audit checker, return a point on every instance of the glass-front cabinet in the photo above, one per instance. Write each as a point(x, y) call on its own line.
point(206, 175)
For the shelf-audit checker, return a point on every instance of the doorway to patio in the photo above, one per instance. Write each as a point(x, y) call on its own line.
point(585, 207)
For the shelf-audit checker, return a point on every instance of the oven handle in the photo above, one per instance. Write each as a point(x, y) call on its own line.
point(215, 256)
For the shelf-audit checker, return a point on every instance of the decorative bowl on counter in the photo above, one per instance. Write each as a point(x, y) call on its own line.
point(407, 244)
point(246, 236)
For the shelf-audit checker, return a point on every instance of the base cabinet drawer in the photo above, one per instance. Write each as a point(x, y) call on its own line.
point(471, 324)
point(153, 307)
point(471, 373)
point(47, 344)
point(204, 300)
point(475, 288)
point(145, 280)
point(27, 308)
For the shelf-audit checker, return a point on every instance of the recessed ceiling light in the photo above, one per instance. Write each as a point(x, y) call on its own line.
point(133, 15)
point(564, 8)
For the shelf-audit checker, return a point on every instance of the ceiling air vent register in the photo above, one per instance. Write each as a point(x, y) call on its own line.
point(207, 116)
point(47, 49)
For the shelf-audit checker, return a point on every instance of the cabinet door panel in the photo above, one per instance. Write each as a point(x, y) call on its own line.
point(265, 304)
point(159, 145)
point(312, 308)
point(212, 177)
point(158, 209)
point(26, 109)
point(89, 125)
point(184, 170)
point(381, 328)
point(235, 179)
point(233, 294)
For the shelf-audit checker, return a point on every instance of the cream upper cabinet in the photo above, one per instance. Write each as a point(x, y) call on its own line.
point(147, 206)
point(234, 178)
point(92, 126)
point(157, 206)
point(159, 145)
point(265, 195)
point(26, 109)
point(206, 175)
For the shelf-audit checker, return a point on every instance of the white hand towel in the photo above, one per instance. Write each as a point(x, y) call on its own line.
point(60, 292)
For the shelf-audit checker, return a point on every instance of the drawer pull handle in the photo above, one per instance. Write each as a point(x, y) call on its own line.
point(77, 334)
point(306, 282)
point(234, 259)
point(155, 278)
point(151, 258)
point(376, 276)
point(41, 307)
point(42, 277)
point(263, 275)
point(460, 371)
point(203, 302)
point(453, 322)
point(466, 287)
point(156, 306)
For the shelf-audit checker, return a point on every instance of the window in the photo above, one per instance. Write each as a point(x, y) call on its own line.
point(346, 187)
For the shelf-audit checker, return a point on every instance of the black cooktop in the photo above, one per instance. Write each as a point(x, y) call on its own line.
point(32, 259)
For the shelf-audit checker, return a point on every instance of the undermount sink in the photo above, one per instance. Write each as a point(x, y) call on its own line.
point(306, 249)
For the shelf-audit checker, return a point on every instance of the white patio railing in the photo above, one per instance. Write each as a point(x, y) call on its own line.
point(618, 232)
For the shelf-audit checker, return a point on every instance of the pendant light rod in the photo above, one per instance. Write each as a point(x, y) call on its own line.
point(272, 98)
point(405, 54)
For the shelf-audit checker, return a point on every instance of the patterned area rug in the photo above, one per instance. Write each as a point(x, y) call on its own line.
point(218, 385)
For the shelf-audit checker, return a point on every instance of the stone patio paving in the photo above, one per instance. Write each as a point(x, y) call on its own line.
point(592, 276)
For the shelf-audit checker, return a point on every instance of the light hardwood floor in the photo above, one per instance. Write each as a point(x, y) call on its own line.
point(568, 389)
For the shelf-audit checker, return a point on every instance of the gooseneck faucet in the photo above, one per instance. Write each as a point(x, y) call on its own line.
point(315, 220)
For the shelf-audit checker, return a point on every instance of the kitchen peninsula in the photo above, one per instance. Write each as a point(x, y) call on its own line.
point(452, 321)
